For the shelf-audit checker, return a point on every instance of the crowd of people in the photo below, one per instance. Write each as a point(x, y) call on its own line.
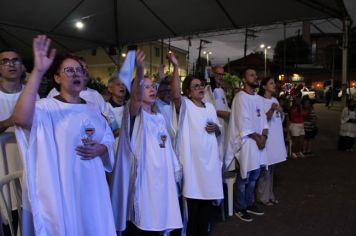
point(150, 159)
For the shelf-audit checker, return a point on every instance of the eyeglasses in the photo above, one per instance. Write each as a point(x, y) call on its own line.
point(148, 86)
point(70, 71)
point(219, 74)
point(198, 86)
point(12, 62)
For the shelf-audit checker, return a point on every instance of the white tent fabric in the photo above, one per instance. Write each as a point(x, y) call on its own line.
point(119, 22)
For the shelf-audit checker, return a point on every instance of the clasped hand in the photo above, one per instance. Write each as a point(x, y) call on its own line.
point(261, 141)
point(211, 127)
point(90, 150)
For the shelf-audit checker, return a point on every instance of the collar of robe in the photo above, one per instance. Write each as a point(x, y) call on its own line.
point(248, 92)
point(17, 90)
point(62, 99)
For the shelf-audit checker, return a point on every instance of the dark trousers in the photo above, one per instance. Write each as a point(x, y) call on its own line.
point(132, 230)
point(15, 219)
point(199, 212)
point(345, 142)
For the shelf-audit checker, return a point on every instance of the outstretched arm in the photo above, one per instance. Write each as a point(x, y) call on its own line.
point(137, 87)
point(175, 84)
point(25, 106)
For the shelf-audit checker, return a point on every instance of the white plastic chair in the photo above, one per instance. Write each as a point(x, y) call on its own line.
point(229, 178)
point(12, 180)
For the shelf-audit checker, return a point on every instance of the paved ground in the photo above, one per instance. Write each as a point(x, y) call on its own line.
point(317, 195)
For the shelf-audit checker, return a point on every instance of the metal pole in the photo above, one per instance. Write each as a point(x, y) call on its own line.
point(150, 59)
point(265, 61)
point(162, 51)
point(228, 65)
point(344, 58)
point(197, 68)
point(245, 47)
point(169, 50)
point(284, 48)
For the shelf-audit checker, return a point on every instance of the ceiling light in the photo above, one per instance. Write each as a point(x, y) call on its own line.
point(79, 25)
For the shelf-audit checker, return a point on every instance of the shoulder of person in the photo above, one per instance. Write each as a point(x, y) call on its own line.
point(208, 105)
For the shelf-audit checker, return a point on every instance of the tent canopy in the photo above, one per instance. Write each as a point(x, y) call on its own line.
point(119, 22)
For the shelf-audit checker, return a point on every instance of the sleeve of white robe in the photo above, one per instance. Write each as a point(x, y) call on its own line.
point(345, 115)
point(244, 122)
point(233, 138)
point(44, 193)
point(108, 158)
point(110, 116)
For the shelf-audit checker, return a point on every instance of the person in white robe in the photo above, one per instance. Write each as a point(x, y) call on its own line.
point(198, 151)
point(247, 140)
point(275, 147)
point(90, 95)
point(11, 71)
point(144, 191)
point(347, 133)
point(69, 148)
point(215, 94)
point(166, 107)
point(116, 104)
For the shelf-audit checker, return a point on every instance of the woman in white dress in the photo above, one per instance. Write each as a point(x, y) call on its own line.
point(275, 147)
point(144, 190)
point(197, 145)
point(69, 148)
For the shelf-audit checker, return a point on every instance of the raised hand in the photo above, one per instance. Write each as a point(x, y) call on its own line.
point(140, 58)
point(172, 59)
point(40, 51)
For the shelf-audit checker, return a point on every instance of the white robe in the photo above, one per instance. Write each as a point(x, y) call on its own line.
point(220, 103)
point(275, 146)
point(199, 152)
point(247, 117)
point(348, 128)
point(117, 114)
point(144, 180)
point(170, 115)
point(68, 195)
point(93, 96)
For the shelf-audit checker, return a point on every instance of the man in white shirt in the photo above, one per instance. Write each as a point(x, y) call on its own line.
point(249, 134)
point(11, 71)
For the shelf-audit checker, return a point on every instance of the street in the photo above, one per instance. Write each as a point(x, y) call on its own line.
point(317, 195)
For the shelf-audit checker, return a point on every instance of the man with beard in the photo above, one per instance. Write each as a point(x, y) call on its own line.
point(248, 132)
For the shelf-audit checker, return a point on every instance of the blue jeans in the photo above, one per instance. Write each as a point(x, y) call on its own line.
point(245, 189)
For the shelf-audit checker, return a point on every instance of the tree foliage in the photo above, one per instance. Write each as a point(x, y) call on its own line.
point(297, 51)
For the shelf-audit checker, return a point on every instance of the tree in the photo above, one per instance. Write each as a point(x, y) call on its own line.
point(297, 51)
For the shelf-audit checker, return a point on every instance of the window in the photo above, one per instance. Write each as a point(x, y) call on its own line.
point(157, 52)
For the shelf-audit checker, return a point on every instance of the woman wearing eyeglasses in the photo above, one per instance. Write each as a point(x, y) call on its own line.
point(69, 148)
point(197, 145)
point(144, 190)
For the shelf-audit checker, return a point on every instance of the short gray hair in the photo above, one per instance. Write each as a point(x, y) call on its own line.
point(112, 79)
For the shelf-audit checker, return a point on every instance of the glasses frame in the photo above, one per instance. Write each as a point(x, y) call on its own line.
point(11, 62)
